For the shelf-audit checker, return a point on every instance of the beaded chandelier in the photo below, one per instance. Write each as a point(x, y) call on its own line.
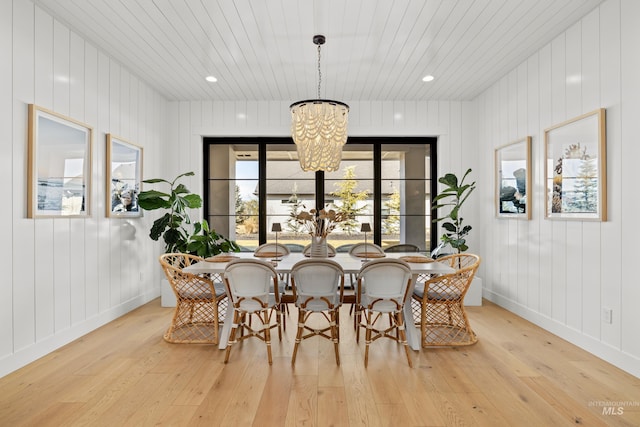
point(319, 128)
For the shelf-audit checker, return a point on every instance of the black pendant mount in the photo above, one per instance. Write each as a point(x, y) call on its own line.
point(318, 39)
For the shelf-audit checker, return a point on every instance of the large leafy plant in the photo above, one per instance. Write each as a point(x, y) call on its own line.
point(201, 240)
point(453, 196)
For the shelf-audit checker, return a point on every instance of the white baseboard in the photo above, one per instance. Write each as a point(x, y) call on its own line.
point(26, 355)
point(613, 355)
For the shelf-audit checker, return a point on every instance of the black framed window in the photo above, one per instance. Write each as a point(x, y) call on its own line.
point(254, 182)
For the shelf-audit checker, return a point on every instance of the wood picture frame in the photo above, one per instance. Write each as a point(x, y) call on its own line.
point(59, 165)
point(513, 179)
point(576, 168)
point(124, 177)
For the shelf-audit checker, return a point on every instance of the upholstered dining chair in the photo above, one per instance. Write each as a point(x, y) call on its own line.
point(275, 251)
point(402, 247)
point(271, 250)
point(366, 249)
point(383, 287)
point(250, 284)
point(200, 303)
point(317, 286)
point(443, 319)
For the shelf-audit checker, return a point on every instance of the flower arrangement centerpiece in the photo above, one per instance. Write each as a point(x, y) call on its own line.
point(319, 224)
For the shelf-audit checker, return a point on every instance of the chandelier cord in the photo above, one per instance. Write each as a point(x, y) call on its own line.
point(319, 72)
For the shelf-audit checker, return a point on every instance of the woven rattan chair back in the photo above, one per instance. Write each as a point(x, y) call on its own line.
point(443, 318)
point(459, 261)
point(250, 285)
point(199, 305)
point(317, 286)
point(383, 286)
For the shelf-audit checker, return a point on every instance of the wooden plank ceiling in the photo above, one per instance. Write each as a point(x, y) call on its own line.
point(263, 49)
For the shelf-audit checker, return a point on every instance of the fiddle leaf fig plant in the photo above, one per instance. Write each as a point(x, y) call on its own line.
point(202, 240)
point(453, 196)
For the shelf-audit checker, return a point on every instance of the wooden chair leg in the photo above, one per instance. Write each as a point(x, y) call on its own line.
point(357, 319)
point(284, 308)
point(267, 334)
point(335, 335)
point(298, 335)
point(232, 336)
point(403, 336)
point(367, 339)
point(423, 325)
point(279, 319)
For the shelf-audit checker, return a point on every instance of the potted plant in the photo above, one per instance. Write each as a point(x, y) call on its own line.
point(453, 196)
point(202, 240)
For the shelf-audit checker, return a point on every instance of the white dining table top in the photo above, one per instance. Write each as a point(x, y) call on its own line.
point(350, 264)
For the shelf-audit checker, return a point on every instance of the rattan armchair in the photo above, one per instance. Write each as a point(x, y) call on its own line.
point(200, 303)
point(440, 304)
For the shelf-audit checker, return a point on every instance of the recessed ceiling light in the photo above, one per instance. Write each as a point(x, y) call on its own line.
point(211, 79)
point(427, 78)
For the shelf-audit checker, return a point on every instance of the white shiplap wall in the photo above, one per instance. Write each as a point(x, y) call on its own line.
point(560, 274)
point(65, 277)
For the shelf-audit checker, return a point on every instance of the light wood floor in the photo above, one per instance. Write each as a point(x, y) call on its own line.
point(124, 374)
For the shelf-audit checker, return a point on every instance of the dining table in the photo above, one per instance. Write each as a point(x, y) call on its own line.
point(351, 265)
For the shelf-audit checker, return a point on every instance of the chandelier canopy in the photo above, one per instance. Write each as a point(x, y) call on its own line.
point(319, 128)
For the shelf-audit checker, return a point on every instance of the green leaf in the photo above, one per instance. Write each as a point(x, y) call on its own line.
point(155, 181)
point(158, 226)
point(449, 179)
point(181, 189)
point(449, 227)
point(193, 201)
point(172, 236)
point(150, 200)
point(180, 176)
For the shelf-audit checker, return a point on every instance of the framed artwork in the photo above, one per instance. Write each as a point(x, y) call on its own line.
point(513, 179)
point(59, 165)
point(124, 177)
point(575, 168)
